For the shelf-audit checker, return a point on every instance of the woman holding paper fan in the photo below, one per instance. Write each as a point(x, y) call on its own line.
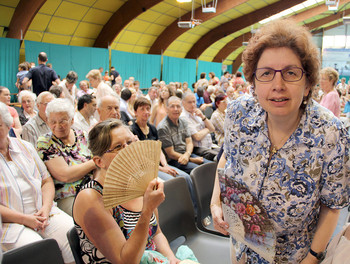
point(286, 158)
point(120, 234)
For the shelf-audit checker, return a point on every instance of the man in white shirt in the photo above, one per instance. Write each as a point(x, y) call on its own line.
point(200, 128)
point(37, 126)
point(152, 96)
point(84, 117)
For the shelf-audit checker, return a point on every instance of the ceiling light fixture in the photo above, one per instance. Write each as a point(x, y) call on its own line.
point(332, 5)
point(189, 24)
point(184, 1)
point(346, 20)
point(210, 7)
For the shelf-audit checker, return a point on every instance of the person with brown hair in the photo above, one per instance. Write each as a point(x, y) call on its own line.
point(287, 156)
point(159, 110)
point(123, 233)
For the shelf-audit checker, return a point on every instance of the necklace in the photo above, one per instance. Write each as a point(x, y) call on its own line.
point(145, 130)
point(275, 147)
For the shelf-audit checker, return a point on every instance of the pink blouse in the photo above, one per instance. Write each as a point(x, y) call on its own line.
point(331, 101)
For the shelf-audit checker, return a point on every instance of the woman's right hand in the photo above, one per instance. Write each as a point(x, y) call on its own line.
point(218, 219)
point(35, 222)
point(153, 196)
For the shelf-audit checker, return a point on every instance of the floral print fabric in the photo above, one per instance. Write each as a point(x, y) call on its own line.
point(311, 168)
point(49, 147)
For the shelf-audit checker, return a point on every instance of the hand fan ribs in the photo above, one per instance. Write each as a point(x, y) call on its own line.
point(130, 172)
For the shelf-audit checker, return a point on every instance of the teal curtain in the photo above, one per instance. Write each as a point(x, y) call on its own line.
point(207, 66)
point(69, 58)
point(229, 69)
point(143, 67)
point(9, 60)
point(179, 70)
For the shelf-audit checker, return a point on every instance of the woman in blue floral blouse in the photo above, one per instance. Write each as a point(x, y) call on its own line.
point(286, 158)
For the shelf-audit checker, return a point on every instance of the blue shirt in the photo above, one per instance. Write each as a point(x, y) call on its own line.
point(200, 100)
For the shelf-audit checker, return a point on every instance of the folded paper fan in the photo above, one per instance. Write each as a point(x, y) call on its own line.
point(248, 220)
point(130, 172)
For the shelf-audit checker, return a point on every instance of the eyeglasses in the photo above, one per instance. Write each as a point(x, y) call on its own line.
point(289, 74)
point(119, 147)
point(62, 122)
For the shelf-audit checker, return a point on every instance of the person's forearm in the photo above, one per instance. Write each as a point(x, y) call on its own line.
point(325, 227)
point(189, 147)
point(71, 173)
point(201, 134)
point(48, 193)
point(137, 240)
point(174, 155)
point(209, 125)
point(215, 199)
point(11, 216)
point(25, 82)
point(163, 161)
point(163, 245)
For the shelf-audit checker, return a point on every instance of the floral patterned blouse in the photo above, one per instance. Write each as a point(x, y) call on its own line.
point(311, 168)
point(49, 147)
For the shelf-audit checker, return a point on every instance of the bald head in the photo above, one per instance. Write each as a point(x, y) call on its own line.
point(42, 57)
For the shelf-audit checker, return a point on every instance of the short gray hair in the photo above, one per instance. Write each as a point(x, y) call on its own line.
point(42, 95)
point(26, 93)
point(59, 105)
point(172, 99)
point(99, 100)
point(187, 94)
point(5, 115)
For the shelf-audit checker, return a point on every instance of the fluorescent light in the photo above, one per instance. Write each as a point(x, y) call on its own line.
point(184, 1)
point(346, 20)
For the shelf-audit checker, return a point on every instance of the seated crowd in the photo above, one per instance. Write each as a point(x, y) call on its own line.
point(73, 133)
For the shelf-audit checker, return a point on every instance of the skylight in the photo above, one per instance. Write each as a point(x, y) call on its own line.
point(291, 10)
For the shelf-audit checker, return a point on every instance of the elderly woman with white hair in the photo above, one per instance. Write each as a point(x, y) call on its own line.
point(27, 100)
point(65, 152)
point(26, 195)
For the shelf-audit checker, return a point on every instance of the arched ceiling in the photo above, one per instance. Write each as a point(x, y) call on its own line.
point(150, 26)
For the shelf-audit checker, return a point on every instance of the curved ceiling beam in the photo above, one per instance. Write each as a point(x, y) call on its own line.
point(22, 17)
point(125, 14)
point(237, 24)
point(172, 32)
point(237, 42)
point(237, 63)
point(328, 19)
point(231, 46)
point(311, 26)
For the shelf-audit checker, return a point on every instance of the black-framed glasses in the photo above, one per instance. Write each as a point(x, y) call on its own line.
point(289, 74)
point(119, 147)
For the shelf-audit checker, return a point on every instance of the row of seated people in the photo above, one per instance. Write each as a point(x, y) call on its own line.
point(64, 151)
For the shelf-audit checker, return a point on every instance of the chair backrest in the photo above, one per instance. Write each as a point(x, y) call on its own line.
point(74, 243)
point(176, 213)
point(208, 112)
point(39, 252)
point(203, 178)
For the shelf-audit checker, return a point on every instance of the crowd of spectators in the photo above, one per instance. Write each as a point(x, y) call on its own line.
point(56, 116)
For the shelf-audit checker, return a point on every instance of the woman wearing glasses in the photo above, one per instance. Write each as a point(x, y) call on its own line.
point(285, 149)
point(120, 234)
point(65, 152)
